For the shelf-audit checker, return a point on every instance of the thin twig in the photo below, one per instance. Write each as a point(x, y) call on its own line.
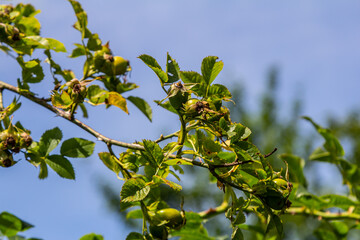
point(235, 163)
point(269, 154)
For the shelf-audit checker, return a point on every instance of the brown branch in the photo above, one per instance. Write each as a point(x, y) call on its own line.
point(269, 154)
point(68, 117)
point(235, 163)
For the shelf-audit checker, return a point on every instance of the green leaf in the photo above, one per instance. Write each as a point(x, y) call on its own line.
point(43, 170)
point(210, 68)
point(166, 105)
point(134, 189)
point(177, 161)
point(340, 228)
point(324, 234)
point(29, 25)
point(275, 222)
point(172, 69)
point(9, 110)
point(92, 236)
point(153, 152)
point(296, 165)
point(134, 214)
point(117, 100)
point(171, 184)
point(32, 71)
point(135, 236)
point(142, 105)
point(78, 51)
point(61, 166)
point(153, 64)
point(62, 100)
point(219, 91)
point(81, 16)
point(10, 225)
point(332, 144)
point(77, 148)
point(237, 234)
point(56, 45)
point(96, 95)
point(49, 140)
point(110, 162)
point(238, 132)
point(94, 42)
point(191, 77)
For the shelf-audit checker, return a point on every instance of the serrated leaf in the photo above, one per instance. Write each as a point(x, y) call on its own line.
point(77, 148)
point(78, 51)
point(134, 189)
point(153, 64)
point(110, 162)
point(56, 45)
point(92, 236)
point(96, 95)
point(142, 105)
point(191, 77)
point(171, 184)
point(153, 152)
point(117, 100)
point(219, 91)
point(94, 42)
point(172, 69)
point(10, 225)
point(61, 166)
point(62, 100)
point(49, 140)
point(210, 68)
point(81, 16)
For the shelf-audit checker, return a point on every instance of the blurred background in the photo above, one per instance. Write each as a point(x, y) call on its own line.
point(281, 60)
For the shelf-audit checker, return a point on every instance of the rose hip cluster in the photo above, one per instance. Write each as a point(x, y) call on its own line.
point(12, 140)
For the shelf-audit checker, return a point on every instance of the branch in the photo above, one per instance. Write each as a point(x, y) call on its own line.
point(235, 163)
point(349, 215)
point(68, 117)
point(269, 154)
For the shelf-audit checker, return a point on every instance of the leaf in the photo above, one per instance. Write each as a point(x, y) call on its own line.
point(275, 222)
point(96, 95)
point(166, 105)
point(324, 234)
point(117, 100)
point(296, 165)
point(153, 152)
point(219, 91)
point(133, 190)
point(110, 162)
point(332, 144)
point(191, 77)
point(340, 228)
point(49, 140)
point(135, 236)
point(62, 100)
point(94, 42)
point(43, 170)
point(210, 68)
point(81, 16)
point(77, 148)
point(172, 69)
point(92, 236)
point(171, 184)
point(153, 64)
point(237, 234)
point(9, 110)
point(177, 161)
point(29, 25)
point(32, 71)
point(142, 105)
point(56, 45)
point(61, 166)
point(10, 225)
point(134, 214)
point(78, 51)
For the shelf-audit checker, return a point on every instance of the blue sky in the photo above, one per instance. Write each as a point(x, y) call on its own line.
point(314, 44)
